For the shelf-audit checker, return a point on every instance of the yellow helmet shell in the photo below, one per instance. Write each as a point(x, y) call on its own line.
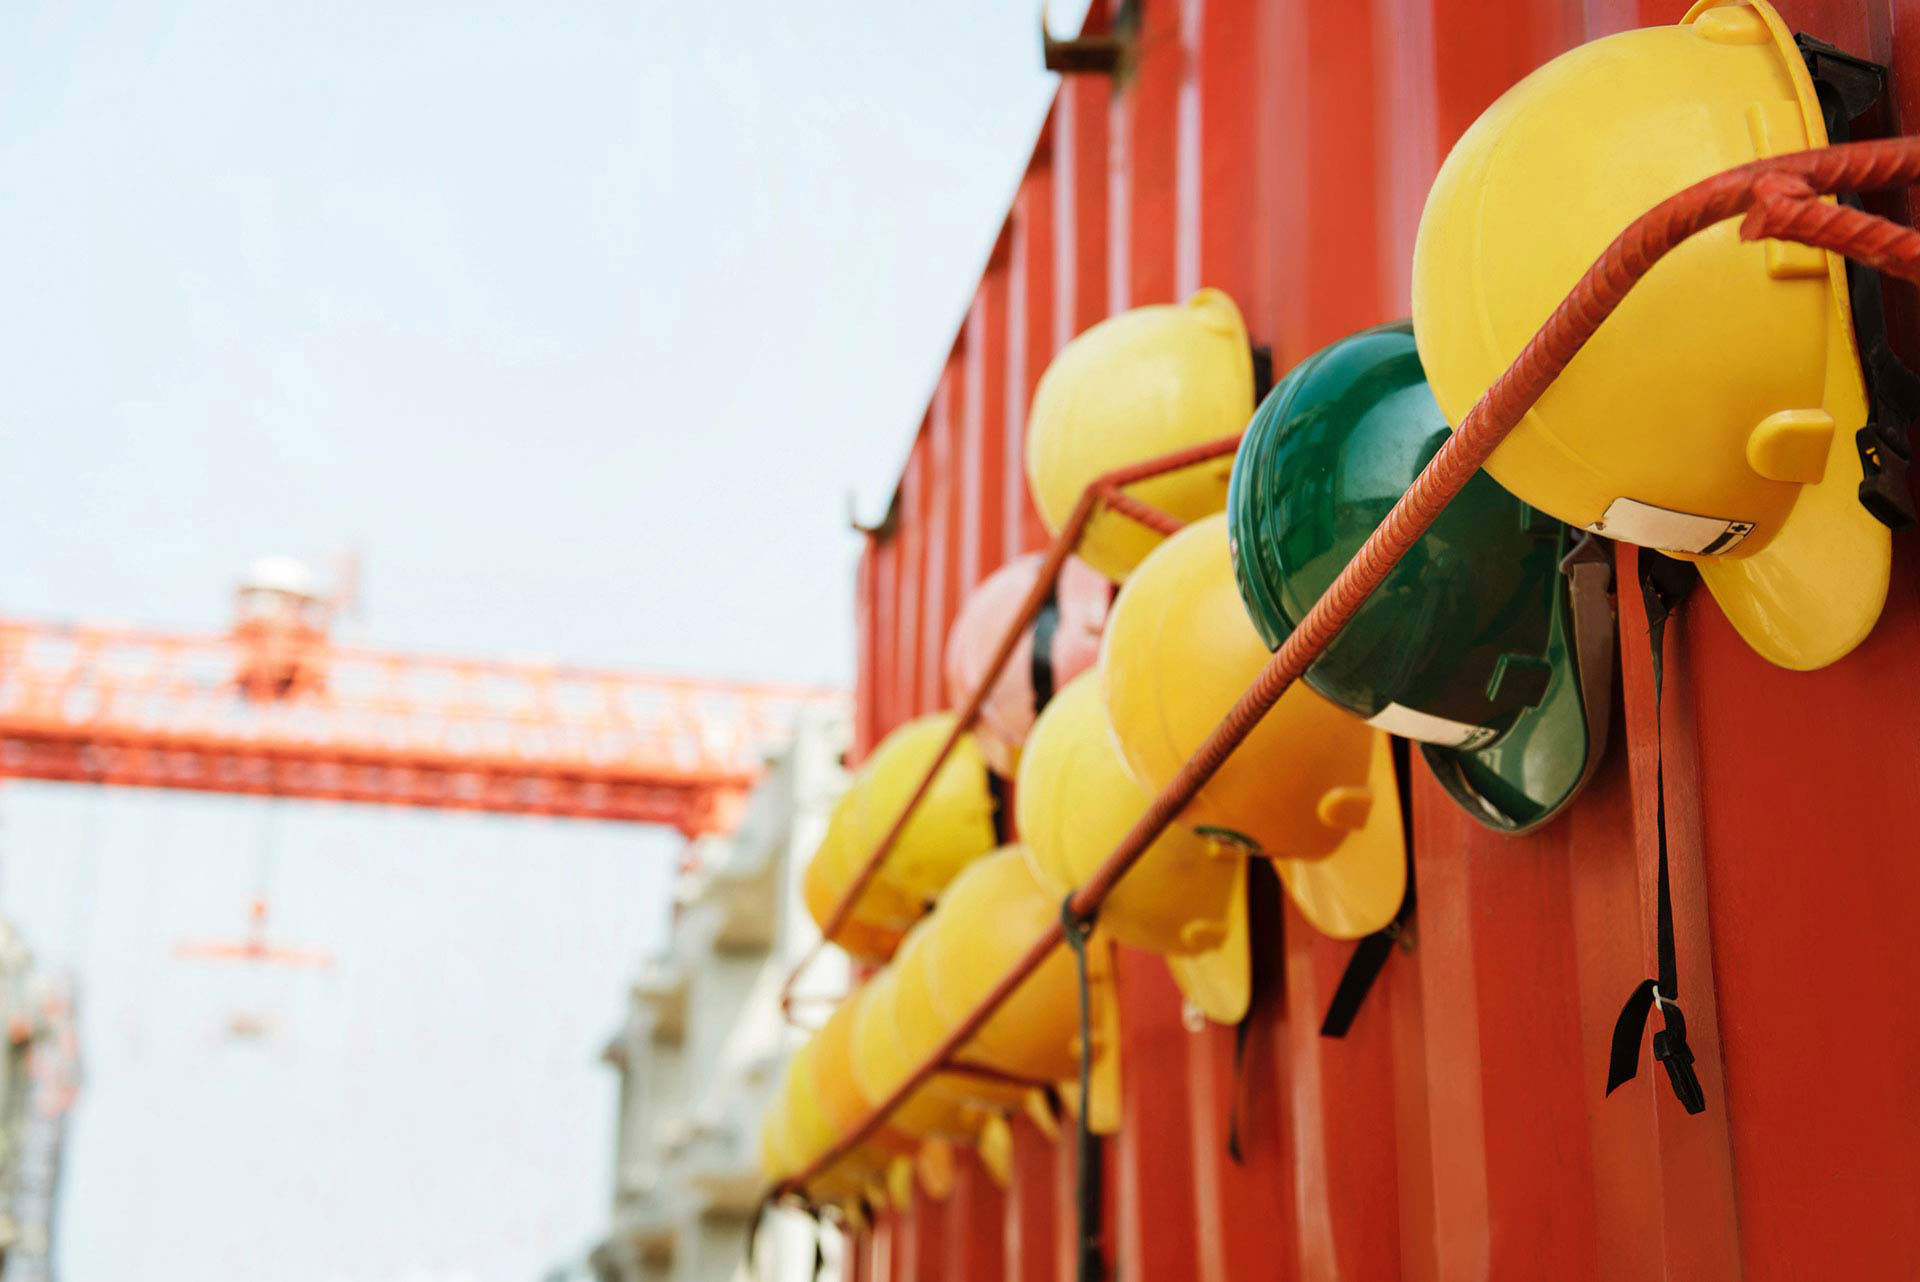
point(924, 1023)
point(882, 914)
point(953, 824)
point(988, 918)
point(776, 1157)
point(1712, 416)
point(1144, 383)
point(808, 1132)
point(894, 1033)
point(1074, 802)
point(881, 1063)
point(1179, 652)
point(845, 1105)
point(1311, 786)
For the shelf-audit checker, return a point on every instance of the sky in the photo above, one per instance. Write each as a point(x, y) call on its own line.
point(578, 323)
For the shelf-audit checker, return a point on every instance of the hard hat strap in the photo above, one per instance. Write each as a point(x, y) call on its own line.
point(1664, 584)
point(1588, 568)
point(1262, 372)
point(1370, 954)
point(1089, 1202)
point(1046, 622)
point(1265, 919)
point(999, 792)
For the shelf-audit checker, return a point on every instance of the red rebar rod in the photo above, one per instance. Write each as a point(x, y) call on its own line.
point(1779, 197)
point(1103, 490)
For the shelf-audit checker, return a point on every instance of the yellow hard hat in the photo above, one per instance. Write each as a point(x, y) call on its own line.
point(1713, 415)
point(1144, 383)
point(776, 1159)
point(808, 1132)
point(894, 1033)
point(882, 914)
point(1184, 899)
point(986, 921)
point(923, 1024)
point(1311, 787)
point(990, 916)
point(880, 1064)
point(845, 1105)
point(953, 824)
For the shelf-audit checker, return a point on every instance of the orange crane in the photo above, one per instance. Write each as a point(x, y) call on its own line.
point(275, 707)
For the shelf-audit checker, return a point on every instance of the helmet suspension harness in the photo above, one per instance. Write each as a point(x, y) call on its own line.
point(1850, 90)
point(1076, 926)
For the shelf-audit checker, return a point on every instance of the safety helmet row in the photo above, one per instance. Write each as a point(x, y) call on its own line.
point(1713, 417)
point(888, 1026)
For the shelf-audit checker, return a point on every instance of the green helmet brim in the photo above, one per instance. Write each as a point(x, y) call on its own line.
point(1526, 776)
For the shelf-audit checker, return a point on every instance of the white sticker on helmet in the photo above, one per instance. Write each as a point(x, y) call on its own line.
point(1410, 723)
point(1665, 530)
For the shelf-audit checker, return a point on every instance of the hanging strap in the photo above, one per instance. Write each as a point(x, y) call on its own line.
point(1040, 664)
point(1363, 968)
point(1241, 1032)
point(1262, 354)
point(1089, 1203)
point(1000, 794)
point(1371, 953)
point(1664, 584)
point(1266, 961)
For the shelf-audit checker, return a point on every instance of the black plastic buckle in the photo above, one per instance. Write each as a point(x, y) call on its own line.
point(1671, 1049)
point(1850, 89)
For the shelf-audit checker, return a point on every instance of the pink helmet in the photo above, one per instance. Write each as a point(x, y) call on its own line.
point(1068, 626)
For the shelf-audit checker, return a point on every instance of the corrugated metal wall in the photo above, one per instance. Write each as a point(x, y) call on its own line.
point(1281, 149)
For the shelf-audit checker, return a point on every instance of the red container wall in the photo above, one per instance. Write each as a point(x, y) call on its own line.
point(1281, 150)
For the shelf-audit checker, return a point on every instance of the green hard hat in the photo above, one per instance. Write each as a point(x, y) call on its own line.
point(1491, 642)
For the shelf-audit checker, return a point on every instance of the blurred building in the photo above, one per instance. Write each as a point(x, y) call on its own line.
point(39, 1082)
point(703, 1042)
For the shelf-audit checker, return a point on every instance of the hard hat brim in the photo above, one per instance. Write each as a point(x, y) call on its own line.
point(1357, 889)
point(1527, 775)
point(1219, 982)
point(1816, 589)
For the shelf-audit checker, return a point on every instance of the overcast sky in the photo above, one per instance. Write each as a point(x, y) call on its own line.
point(578, 321)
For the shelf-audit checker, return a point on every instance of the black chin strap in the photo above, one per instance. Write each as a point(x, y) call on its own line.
point(1266, 965)
point(1241, 1032)
point(1040, 662)
point(1000, 792)
point(1664, 583)
point(1089, 1263)
point(1371, 953)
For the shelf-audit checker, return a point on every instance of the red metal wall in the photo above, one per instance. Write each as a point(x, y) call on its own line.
point(1281, 149)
